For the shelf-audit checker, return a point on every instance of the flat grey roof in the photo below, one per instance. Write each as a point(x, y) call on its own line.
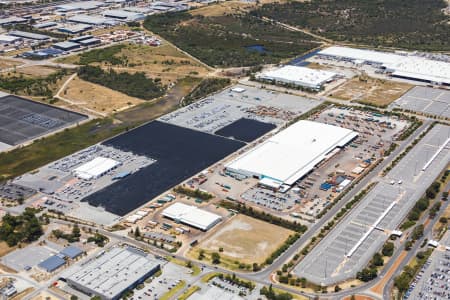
point(29, 35)
point(113, 272)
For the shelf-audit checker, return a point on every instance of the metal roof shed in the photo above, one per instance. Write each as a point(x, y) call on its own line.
point(52, 263)
point(71, 252)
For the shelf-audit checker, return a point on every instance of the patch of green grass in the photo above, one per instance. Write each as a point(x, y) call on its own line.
point(209, 276)
point(173, 291)
point(189, 292)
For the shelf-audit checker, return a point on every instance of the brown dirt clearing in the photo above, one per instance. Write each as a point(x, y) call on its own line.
point(246, 239)
point(97, 97)
point(371, 91)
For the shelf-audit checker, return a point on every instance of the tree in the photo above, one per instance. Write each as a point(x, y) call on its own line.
point(137, 232)
point(367, 274)
point(388, 249)
point(215, 258)
point(73, 297)
point(377, 260)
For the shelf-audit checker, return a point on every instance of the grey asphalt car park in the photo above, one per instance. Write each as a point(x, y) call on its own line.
point(25, 258)
point(427, 100)
point(433, 281)
point(368, 226)
point(219, 110)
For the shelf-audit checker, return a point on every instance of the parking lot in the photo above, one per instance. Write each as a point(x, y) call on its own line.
point(28, 257)
point(57, 178)
point(22, 119)
point(433, 281)
point(222, 109)
point(425, 100)
point(352, 243)
point(14, 192)
point(172, 275)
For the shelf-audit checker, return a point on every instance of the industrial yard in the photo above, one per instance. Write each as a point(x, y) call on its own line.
point(236, 150)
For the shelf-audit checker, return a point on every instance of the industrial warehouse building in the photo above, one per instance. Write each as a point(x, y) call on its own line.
point(112, 273)
point(292, 153)
point(95, 168)
point(192, 216)
point(298, 76)
point(401, 65)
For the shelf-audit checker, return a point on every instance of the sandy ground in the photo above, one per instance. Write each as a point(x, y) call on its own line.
point(372, 91)
point(229, 7)
point(246, 239)
point(97, 97)
point(37, 71)
point(7, 63)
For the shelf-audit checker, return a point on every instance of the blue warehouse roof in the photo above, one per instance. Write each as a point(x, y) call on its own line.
point(52, 263)
point(71, 252)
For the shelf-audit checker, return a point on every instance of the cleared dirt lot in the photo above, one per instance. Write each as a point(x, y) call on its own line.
point(246, 239)
point(37, 71)
point(7, 63)
point(97, 97)
point(370, 90)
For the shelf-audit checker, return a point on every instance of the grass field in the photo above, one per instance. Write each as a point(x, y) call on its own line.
point(246, 239)
point(97, 97)
point(370, 91)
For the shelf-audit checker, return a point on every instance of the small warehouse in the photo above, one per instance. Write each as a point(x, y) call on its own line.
point(298, 76)
point(95, 168)
point(52, 263)
point(29, 35)
point(192, 216)
point(124, 15)
point(71, 252)
point(75, 29)
point(66, 46)
point(90, 42)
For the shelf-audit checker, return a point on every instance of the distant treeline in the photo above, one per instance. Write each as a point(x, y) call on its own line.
point(206, 87)
point(134, 85)
point(230, 40)
point(411, 24)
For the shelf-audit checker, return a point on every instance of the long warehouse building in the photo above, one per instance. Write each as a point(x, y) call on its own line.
point(401, 65)
point(192, 216)
point(292, 153)
point(112, 272)
point(299, 76)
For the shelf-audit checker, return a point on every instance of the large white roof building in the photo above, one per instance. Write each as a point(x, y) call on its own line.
point(95, 168)
point(405, 65)
point(112, 273)
point(192, 216)
point(292, 153)
point(300, 76)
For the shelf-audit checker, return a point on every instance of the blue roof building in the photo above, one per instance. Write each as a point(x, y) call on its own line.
point(52, 263)
point(71, 252)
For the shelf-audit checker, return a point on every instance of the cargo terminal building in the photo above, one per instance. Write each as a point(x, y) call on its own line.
point(401, 65)
point(291, 154)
